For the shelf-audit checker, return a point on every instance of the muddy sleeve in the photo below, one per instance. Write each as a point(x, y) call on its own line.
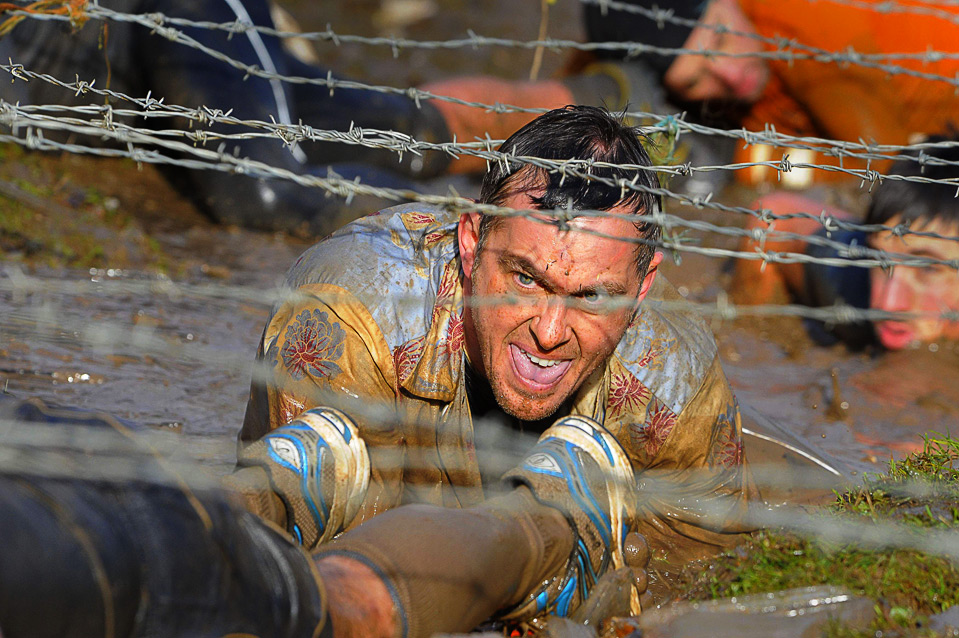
point(321, 347)
point(695, 491)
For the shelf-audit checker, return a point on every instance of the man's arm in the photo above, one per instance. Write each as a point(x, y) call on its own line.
point(321, 347)
point(537, 548)
point(406, 569)
point(169, 553)
point(696, 487)
point(323, 387)
point(757, 282)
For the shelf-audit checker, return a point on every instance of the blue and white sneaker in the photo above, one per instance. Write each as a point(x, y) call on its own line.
point(319, 467)
point(582, 470)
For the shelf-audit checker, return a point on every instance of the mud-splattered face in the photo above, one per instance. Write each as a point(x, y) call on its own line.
point(930, 290)
point(546, 307)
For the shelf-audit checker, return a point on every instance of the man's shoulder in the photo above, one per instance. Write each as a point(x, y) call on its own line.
point(668, 348)
point(391, 262)
point(405, 234)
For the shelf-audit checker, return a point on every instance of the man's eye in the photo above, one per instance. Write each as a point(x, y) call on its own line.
point(524, 279)
point(934, 272)
point(595, 298)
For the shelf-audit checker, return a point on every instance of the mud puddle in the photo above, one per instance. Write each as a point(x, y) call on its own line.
point(173, 352)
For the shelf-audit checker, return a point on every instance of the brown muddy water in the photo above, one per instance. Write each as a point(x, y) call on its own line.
point(175, 353)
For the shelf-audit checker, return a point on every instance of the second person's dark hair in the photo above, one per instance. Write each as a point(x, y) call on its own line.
point(918, 201)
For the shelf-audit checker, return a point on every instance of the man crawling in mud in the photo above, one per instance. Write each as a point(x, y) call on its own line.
point(412, 334)
point(921, 293)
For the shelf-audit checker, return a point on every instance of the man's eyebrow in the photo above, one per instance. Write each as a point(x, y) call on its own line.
point(612, 288)
point(516, 262)
point(930, 252)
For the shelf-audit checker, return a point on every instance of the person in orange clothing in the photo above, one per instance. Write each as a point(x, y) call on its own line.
point(872, 101)
point(875, 103)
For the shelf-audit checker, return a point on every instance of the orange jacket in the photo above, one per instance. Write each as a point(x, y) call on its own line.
point(849, 101)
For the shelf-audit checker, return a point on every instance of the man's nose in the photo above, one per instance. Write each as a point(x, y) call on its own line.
point(895, 294)
point(550, 327)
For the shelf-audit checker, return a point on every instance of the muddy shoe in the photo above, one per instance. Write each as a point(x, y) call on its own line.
point(580, 469)
point(319, 468)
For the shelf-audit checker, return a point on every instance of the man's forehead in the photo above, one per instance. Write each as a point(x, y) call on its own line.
point(616, 223)
point(594, 245)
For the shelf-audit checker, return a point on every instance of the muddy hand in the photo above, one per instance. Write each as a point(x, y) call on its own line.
point(611, 595)
point(636, 553)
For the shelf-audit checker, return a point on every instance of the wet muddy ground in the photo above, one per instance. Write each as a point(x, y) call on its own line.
point(176, 352)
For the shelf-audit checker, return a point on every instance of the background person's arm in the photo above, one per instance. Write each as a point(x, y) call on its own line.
point(755, 283)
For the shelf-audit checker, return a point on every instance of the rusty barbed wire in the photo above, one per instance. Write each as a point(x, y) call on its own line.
point(671, 123)
point(18, 117)
point(927, 7)
point(187, 148)
point(787, 49)
point(660, 15)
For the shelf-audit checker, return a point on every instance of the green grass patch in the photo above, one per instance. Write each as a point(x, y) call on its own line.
point(918, 496)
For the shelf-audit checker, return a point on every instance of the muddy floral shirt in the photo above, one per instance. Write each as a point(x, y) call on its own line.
point(374, 327)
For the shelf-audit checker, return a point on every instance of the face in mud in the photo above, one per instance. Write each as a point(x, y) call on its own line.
point(561, 301)
point(929, 290)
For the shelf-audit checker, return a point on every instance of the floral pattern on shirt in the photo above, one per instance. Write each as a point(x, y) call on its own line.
point(432, 239)
point(650, 435)
point(727, 448)
point(652, 358)
point(626, 393)
point(454, 335)
point(312, 346)
point(406, 356)
point(416, 220)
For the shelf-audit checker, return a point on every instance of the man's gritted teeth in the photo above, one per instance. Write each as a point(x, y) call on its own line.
point(539, 373)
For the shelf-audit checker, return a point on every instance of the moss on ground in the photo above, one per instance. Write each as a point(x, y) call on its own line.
point(47, 218)
point(919, 495)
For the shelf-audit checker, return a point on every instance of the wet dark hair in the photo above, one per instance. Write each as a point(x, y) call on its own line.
point(577, 132)
point(916, 201)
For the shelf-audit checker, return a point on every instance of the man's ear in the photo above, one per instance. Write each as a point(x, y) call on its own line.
point(650, 276)
point(467, 235)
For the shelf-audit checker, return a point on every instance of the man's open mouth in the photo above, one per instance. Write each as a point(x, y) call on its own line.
point(538, 372)
point(894, 335)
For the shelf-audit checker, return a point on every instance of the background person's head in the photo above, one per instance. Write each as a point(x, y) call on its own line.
point(736, 73)
point(564, 294)
point(927, 207)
